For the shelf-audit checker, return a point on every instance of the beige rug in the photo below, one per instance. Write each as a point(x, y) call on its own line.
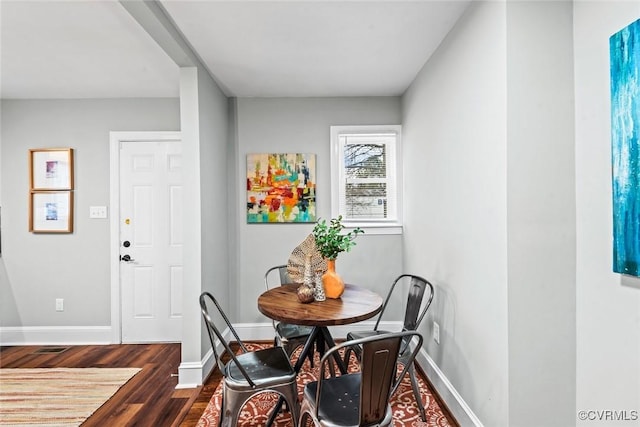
point(56, 396)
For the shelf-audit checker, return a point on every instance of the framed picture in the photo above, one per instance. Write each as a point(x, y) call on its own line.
point(51, 169)
point(51, 212)
point(281, 188)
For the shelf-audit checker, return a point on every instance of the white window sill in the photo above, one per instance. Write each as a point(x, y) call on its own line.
point(374, 228)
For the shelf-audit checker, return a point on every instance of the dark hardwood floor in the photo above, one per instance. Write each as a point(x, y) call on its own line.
point(148, 399)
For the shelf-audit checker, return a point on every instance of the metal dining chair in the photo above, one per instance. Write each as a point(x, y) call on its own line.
point(413, 316)
point(361, 398)
point(250, 372)
point(289, 336)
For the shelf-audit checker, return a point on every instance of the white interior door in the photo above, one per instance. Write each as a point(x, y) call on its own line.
point(151, 241)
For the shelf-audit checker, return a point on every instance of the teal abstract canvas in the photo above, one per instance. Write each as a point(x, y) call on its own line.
point(624, 49)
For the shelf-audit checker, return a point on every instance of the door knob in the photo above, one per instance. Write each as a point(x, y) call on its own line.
point(126, 258)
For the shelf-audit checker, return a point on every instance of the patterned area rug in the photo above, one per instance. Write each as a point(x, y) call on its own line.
point(57, 396)
point(256, 412)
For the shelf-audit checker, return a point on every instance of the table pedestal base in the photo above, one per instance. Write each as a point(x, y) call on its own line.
point(322, 339)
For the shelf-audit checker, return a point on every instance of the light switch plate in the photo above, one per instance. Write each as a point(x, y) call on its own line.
point(97, 211)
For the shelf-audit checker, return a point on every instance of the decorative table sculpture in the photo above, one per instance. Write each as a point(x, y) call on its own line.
point(306, 291)
point(298, 260)
point(318, 293)
point(305, 294)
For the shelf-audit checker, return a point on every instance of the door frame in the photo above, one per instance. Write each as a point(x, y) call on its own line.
point(115, 139)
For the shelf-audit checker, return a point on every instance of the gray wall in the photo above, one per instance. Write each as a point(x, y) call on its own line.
point(204, 124)
point(455, 206)
point(302, 125)
point(541, 214)
point(215, 195)
point(40, 267)
point(531, 314)
point(608, 304)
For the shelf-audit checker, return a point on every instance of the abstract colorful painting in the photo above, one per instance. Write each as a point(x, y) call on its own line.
point(281, 187)
point(624, 49)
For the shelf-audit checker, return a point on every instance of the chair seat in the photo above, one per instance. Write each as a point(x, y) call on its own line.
point(265, 367)
point(340, 398)
point(289, 331)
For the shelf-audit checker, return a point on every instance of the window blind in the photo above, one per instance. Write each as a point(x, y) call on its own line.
point(368, 189)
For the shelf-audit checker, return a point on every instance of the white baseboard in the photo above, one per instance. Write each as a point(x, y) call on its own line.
point(447, 392)
point(55, 335)
point(192, 374)
point(253, 331)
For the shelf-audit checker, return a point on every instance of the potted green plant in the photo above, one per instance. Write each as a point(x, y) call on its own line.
point(330, 241)
point(329, 238)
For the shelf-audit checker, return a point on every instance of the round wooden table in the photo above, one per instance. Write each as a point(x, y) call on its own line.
point(357, 303)
point(281, 303)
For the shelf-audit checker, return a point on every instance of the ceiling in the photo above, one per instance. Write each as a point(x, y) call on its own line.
point(96, 49)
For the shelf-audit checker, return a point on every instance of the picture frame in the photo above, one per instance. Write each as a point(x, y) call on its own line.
point(51, 212)
point(281, 188)
point(51, 169)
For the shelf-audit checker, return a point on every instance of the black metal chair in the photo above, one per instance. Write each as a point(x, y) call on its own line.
point(289, 336)
point(413, 316)
point(360, 398)
point(250, 372)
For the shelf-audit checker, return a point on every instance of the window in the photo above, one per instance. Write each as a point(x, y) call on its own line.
point(365, 177)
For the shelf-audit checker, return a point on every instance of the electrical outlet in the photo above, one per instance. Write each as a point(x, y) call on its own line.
point(436, 332)
point(59, 304)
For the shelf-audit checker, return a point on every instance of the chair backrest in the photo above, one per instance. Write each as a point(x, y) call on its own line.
point(283, 275)
point(282, 272)
point(417, 289)
point(378, 371)
point(206, 299)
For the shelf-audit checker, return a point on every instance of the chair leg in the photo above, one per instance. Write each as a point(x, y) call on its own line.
point(306, 419)
point(230, 410)
point(310, 357)
point(221, 411)
point(347, 356)
point(416, 392)
point(289, 349)
point(292, 403)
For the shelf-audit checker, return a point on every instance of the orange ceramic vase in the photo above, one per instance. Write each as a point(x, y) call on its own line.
point(332, 282)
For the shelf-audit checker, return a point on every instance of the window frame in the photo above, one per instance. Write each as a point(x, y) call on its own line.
point(394, 176)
